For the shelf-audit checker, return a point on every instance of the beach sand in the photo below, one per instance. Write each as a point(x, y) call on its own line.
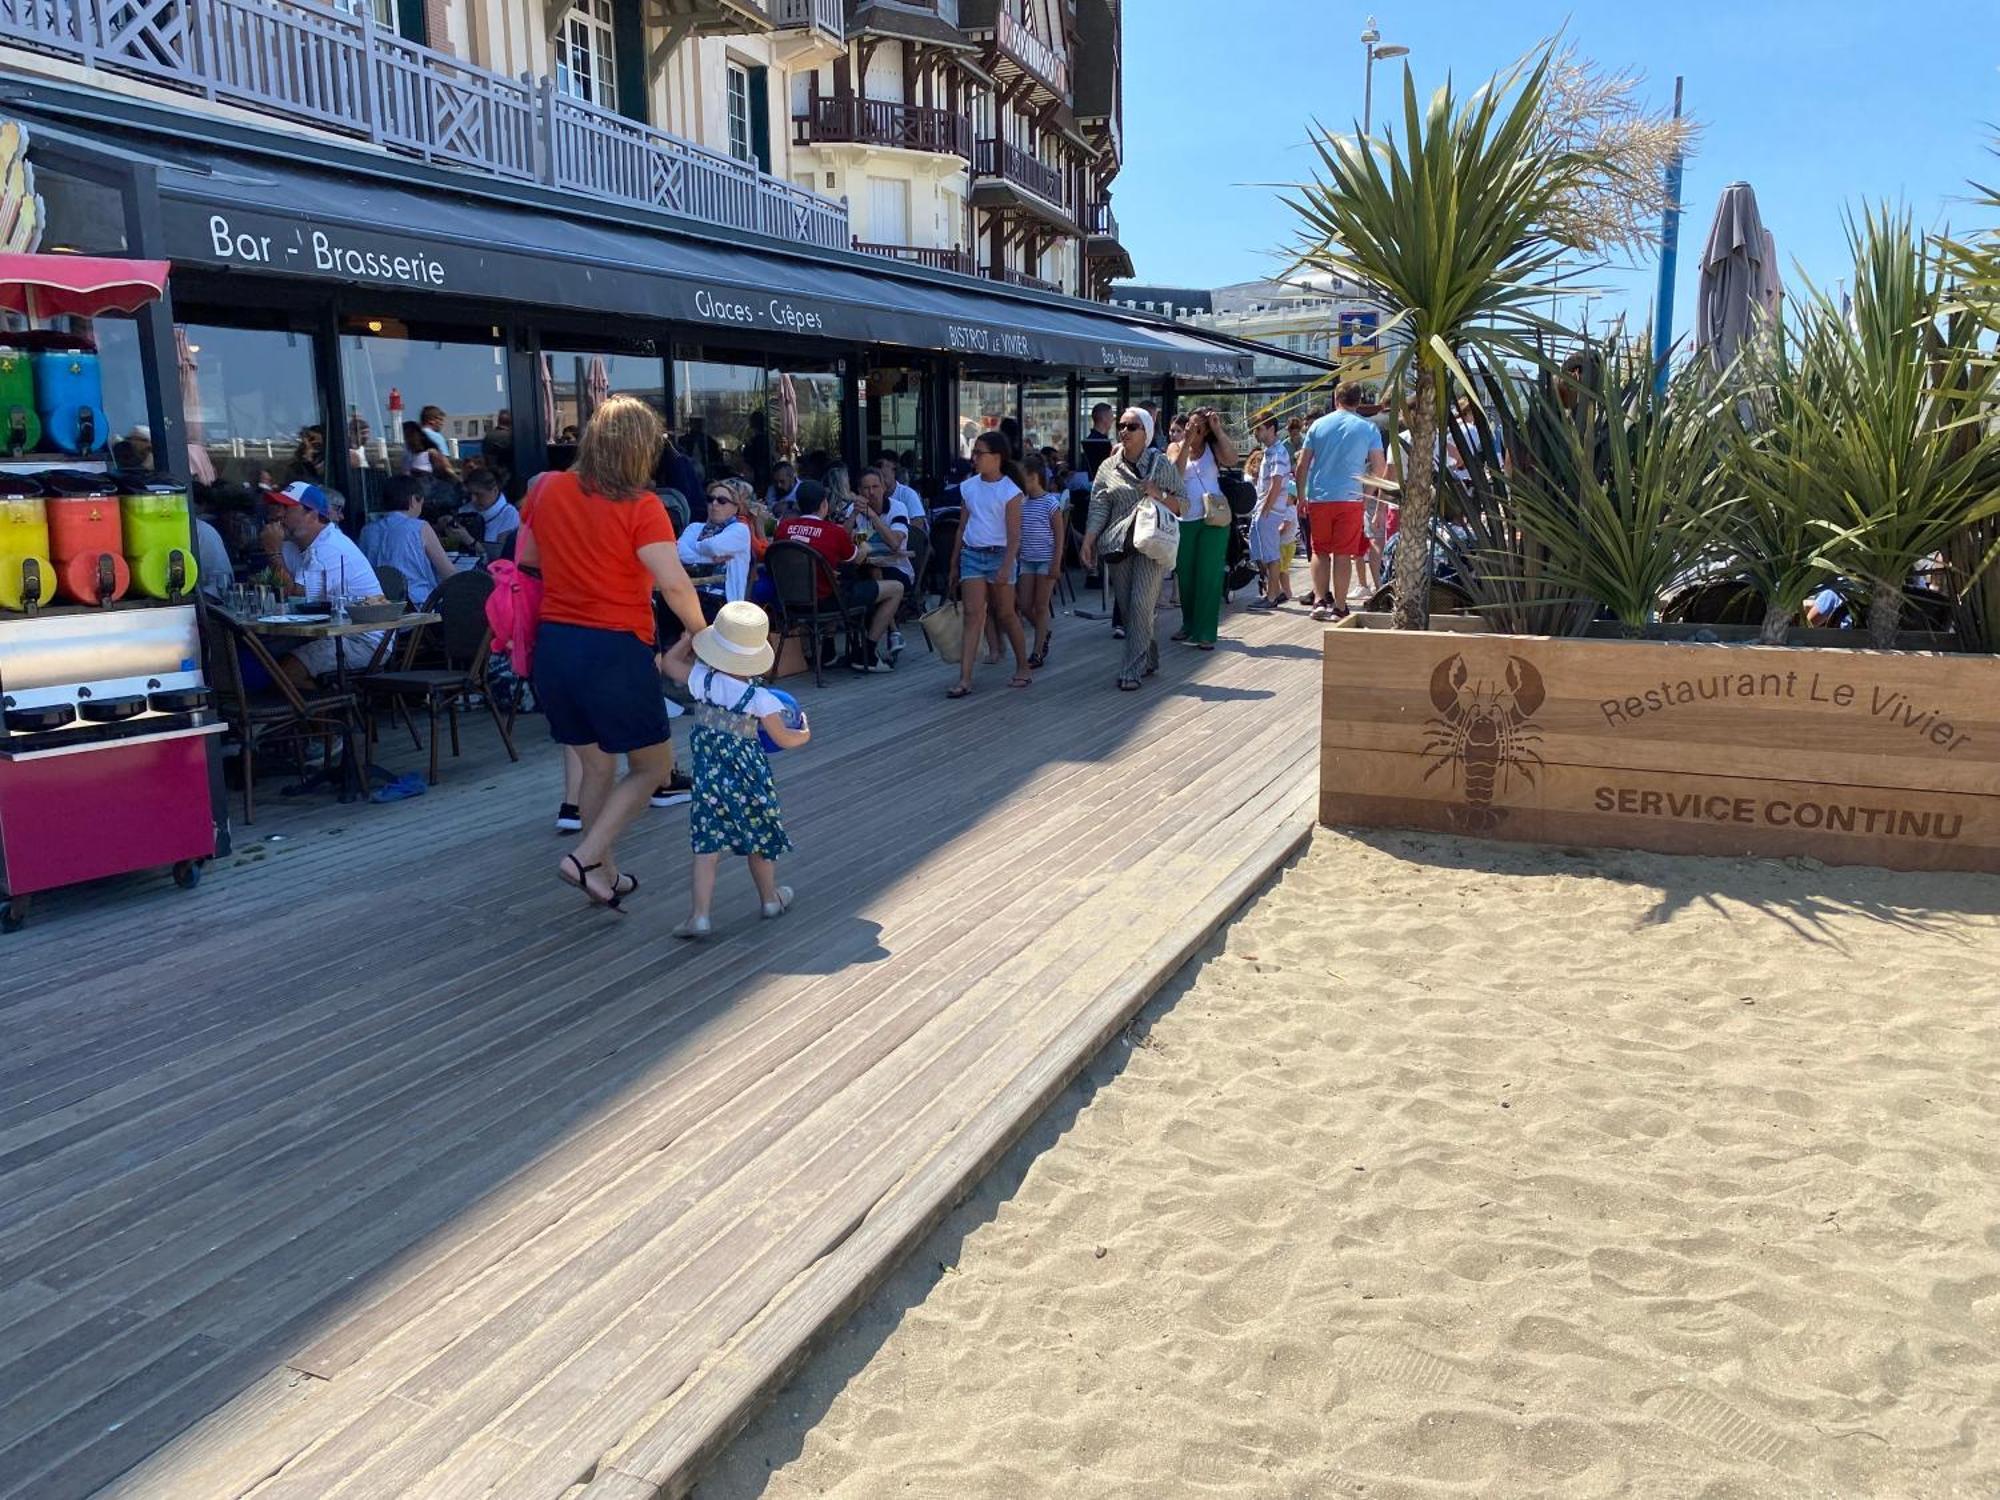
point(1466, 1169)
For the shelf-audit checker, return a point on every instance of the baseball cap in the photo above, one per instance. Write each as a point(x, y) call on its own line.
point(310, 496)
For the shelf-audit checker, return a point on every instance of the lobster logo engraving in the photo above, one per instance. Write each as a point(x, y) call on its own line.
point(1485, 734)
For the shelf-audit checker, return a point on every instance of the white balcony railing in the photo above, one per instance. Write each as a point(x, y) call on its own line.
point(826, 16)
point(342, 73)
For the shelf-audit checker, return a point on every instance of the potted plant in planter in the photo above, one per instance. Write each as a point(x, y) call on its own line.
point(1881, 453)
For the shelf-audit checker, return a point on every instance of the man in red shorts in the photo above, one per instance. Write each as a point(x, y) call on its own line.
point(1339, 448)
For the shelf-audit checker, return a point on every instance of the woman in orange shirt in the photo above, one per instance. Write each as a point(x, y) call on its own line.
point(603, 543)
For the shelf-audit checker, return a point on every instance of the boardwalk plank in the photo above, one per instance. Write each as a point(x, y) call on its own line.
point(387, 1214)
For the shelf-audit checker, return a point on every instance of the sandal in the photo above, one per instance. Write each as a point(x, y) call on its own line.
point(1128, 684)
point(1020, 682)
point(581, 880)
point(959, 692)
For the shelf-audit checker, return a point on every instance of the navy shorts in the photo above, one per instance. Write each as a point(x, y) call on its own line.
point(599, 687)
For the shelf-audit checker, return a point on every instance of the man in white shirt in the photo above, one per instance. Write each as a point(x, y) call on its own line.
point(314, 559)
point(902, 499)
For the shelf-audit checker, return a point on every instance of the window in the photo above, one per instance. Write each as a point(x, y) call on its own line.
point(987, 406)
point(396, 372)
point(586, 54)
point(741, 418)
point(889, 210)
point(737, 103)
point(574, 383)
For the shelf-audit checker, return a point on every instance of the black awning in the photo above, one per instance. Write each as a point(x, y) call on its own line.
point(224, 211)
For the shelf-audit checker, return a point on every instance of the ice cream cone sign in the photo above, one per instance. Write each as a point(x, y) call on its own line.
point(21, 212)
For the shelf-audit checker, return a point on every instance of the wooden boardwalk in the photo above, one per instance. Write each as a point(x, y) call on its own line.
point(381, 1166)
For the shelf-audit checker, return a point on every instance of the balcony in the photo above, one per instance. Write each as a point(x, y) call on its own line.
point(921, 255)
point(1019, 50)
point(875, 122)
point(1001, 162)
point(809, 32)
point(1099, 222)
point(312, 66)
point(1020, 278)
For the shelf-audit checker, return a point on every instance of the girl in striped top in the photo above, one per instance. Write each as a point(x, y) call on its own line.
point(1043, 524)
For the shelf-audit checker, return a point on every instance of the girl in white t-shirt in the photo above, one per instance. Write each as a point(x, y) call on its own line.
point(987, 556)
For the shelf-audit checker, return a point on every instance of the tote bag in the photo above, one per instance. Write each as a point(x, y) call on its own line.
point(1156, 531)
point(944, 628)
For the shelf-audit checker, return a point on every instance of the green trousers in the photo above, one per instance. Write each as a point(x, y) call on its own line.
point(1200, 567)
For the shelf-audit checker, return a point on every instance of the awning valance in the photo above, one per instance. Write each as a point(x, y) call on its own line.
point(258, 215)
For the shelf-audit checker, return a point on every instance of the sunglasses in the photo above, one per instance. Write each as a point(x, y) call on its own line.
point(1131, 426)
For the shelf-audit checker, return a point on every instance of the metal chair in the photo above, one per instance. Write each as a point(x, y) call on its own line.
point(285, 715)
point(804, 613)
point(943, 542)
point(920, 564)
point(466, 650)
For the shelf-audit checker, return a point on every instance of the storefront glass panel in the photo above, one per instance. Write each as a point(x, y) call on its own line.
point(741, 419)
point(986, 405)
point(892, 415)
point(395, 372)
point(575, 382)
point(254, 415)
point(1045, 418)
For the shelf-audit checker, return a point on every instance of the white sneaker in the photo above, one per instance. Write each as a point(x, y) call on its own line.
point(775, 909)
point(695, 930)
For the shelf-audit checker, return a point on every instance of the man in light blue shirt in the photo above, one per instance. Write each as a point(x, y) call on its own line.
point(1339, 449)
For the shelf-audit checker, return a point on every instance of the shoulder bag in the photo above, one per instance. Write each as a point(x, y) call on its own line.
point(1156, 531)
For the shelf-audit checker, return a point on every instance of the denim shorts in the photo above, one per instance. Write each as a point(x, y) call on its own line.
point(599, 687)
point(1041, 569)
point(983, 563)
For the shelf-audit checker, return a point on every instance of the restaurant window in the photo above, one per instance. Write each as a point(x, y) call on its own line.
point(1045, 417)
point(892, 415)
point(587, 53)
point(574, 383)
point(737, 105)
point(449, 381)
point(986, 405)
point(252, 404)
point(741, 418)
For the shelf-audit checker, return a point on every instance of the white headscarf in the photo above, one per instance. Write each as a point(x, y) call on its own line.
point(1145, 421)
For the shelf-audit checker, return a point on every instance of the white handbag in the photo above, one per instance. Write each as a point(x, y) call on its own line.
point(1156, 532)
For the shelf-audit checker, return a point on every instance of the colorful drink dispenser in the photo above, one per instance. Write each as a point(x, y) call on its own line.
point(20, 424)
point(69, 391)
point(27, 576)
point(85, 538)
point(158, 543)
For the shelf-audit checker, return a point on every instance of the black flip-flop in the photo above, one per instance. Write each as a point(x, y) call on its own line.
point(958, 692)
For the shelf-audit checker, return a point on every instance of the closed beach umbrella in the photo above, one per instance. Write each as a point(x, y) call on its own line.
point(1734, 278)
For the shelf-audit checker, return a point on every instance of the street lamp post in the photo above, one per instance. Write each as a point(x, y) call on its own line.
point(1371, 41)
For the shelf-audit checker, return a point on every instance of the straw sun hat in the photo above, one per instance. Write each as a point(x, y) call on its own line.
point(739, 642)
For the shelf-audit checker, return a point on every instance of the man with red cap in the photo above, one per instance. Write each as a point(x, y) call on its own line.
point(314, 559)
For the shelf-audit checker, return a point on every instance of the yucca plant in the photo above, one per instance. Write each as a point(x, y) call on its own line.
point(1771, 537)
point(1975, 267)
point(1898, 430)
point(1637, 502)
point(1457, 223)
point(1500, 565)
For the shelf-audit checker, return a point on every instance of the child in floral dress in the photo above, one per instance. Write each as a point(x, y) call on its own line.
point(735, 808)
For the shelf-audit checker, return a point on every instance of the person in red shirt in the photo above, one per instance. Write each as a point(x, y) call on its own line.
point(879, 597)
point(603, 542)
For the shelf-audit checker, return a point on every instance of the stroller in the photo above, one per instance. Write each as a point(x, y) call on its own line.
point(1239, 571)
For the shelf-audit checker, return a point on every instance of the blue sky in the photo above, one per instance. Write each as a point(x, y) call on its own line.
point(1818, 104)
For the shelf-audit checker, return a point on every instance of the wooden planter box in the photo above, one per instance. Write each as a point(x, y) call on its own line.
point(1848, 756)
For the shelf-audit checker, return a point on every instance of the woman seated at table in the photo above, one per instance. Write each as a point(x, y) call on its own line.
point(722, 544)
point(397, 537)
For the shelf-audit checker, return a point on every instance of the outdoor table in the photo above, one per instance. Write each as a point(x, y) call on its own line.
point(353, 776)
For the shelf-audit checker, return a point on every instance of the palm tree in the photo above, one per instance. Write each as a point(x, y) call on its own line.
point(1898, 434)
point(1457, 225)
